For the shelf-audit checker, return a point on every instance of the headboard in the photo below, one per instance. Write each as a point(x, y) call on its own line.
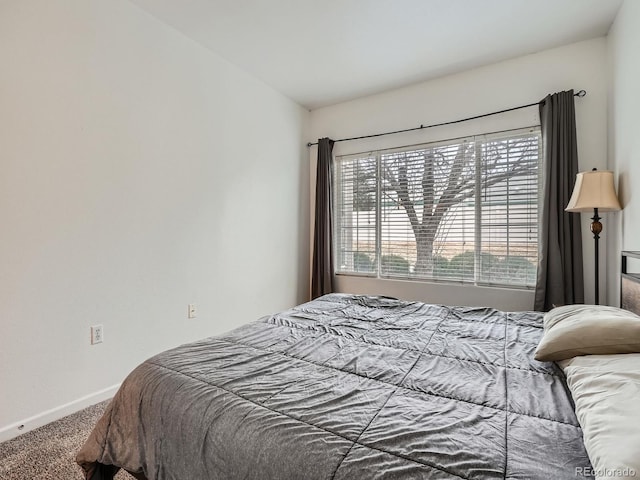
point(629, 285)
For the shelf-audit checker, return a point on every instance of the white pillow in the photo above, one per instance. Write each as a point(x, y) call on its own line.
point(574, 330)
point(606, 389)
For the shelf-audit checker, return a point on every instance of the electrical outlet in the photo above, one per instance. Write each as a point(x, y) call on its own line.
point(97, 334)
point(192, 310)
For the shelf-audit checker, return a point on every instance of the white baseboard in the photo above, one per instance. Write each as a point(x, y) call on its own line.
point(15, 429)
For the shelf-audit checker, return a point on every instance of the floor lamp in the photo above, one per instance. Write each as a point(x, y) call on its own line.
point(595, 191)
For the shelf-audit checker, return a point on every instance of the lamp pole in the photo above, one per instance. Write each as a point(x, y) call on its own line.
point(596, 228)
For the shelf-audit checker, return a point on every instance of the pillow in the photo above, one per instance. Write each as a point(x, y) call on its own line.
point(574, 330)
point(606, 389)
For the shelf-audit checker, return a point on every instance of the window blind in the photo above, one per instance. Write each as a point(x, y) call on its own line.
point(461, 210)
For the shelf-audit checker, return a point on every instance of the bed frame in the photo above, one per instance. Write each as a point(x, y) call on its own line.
point(629, 285)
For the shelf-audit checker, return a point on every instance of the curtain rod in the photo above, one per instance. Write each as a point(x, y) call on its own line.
point(581, 93)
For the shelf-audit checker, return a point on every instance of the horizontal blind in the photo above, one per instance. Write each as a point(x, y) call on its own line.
point(427, 208)
point(509, 216)
point(356, 180)
point(460, 210)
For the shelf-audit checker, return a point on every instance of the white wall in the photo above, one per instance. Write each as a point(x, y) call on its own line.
point(624, 133)
point(139, 173)
point(503, 85)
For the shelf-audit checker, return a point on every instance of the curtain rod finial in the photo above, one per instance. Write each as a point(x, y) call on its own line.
point(581, 93)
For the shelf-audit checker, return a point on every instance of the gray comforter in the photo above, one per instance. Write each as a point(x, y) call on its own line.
point(347, 387)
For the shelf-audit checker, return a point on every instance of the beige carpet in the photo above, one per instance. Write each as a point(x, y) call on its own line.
point(48, 453)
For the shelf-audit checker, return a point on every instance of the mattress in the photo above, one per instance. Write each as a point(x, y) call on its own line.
point(348, 387)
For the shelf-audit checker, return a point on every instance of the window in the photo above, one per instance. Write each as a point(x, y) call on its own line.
point(460, 210)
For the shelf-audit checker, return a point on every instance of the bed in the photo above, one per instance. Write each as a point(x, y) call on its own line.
point(348, 387)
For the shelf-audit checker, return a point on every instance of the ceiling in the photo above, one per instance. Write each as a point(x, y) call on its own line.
point(321, 52)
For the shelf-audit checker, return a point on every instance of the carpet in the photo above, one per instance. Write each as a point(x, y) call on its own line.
point(48, 453)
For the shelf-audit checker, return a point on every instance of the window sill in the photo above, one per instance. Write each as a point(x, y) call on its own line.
point(437, 281)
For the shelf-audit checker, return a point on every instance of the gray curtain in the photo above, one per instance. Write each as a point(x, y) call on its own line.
point(560, 277)
point(322, 267)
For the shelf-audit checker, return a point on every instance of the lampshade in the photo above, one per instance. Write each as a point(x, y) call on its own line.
point(594, 189)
